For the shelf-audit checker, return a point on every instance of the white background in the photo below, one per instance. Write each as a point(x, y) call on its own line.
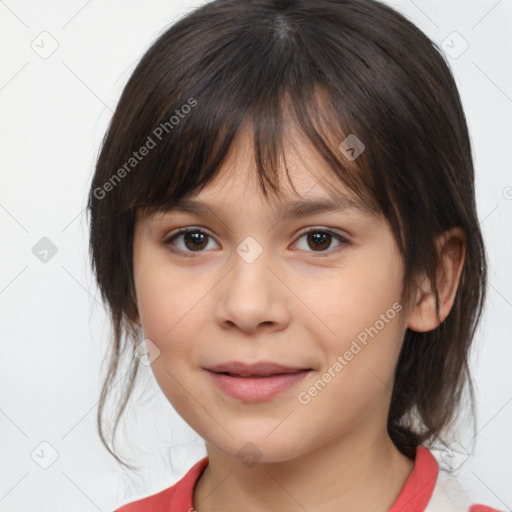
point(54, 113)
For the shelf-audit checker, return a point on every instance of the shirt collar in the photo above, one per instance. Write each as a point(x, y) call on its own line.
point(415, 494)
point(418, 489)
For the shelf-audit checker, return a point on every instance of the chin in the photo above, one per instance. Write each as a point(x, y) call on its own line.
point(257, 448)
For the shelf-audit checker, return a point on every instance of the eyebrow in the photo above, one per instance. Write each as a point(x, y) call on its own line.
point(286, 209)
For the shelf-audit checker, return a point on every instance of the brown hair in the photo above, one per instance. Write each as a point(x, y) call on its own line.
point(380, 79)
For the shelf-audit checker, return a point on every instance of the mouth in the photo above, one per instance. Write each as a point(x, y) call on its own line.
point(255, 382)
point(260, 369)
point(253, 376)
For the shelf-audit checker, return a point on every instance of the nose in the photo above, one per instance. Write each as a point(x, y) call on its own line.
point(252, 295)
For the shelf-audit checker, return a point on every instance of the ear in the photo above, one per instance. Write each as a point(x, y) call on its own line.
point(451, 246)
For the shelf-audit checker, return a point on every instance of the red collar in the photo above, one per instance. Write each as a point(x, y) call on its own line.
point(183, 496)
point(418, 489)
point(415, 494)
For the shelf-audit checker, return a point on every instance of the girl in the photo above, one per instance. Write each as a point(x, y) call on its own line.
point(283, 219)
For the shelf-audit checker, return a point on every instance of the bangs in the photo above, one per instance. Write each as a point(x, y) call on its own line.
point(184, 169)
point(276, 91)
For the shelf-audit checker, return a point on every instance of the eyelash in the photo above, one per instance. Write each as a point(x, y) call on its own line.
point(316, 254)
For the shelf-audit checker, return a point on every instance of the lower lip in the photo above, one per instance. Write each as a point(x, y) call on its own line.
point(256, 389)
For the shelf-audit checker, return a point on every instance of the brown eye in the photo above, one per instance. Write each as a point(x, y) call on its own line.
point(320, 240)
point(192, 240)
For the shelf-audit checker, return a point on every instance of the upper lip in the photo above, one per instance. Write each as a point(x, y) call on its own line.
point(260, 368)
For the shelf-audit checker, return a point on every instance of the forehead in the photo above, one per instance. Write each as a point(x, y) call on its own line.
point(305, 183)
point(227, 199)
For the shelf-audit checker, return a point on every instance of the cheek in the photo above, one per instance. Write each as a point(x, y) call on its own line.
point(166, 300)
point(171, 317)
point(350, 299)
point(357, 315)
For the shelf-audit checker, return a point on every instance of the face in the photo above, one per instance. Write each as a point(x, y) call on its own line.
point(317, 294)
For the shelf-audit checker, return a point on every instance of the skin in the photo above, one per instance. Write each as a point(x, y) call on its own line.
point(333, 453)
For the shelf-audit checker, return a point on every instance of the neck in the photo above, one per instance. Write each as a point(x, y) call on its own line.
point(341, 475)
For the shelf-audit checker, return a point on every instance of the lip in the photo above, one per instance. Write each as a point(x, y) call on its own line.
point(255, 382)
point(261, 368)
